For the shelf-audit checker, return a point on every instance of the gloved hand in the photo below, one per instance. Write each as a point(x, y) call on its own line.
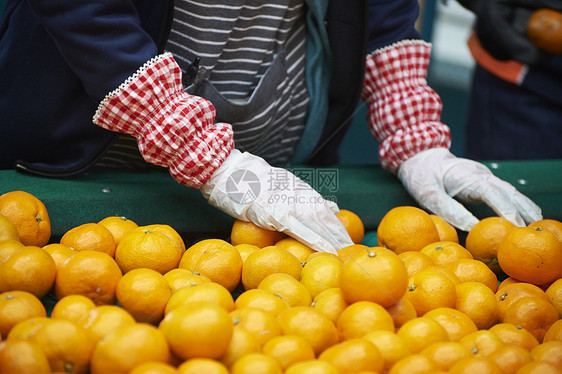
point(435, 177)
point(248, 188)
point(501, 26)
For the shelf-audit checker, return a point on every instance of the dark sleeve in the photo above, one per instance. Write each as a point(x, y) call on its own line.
point(391, 21)
point(102, 41)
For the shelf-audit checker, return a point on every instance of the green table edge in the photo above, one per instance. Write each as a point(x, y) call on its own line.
point(154, 197)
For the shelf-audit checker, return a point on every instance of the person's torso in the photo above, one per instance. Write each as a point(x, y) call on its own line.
point(252, 68)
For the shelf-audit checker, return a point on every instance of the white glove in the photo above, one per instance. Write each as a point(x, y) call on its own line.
point(248, 188)
point(435, 176)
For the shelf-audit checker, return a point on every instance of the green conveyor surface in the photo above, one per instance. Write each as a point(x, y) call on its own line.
point(154, 197)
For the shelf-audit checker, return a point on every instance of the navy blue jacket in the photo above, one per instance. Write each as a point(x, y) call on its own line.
point(58, 59)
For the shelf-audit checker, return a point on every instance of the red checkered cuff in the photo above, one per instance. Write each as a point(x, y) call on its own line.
point(173, 129)
point(404, 113)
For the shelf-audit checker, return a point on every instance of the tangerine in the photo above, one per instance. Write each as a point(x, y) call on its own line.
point(29, 216)
point(198, 329)
point(531, 255)
point(216, 259)
point(376, 275)
point(406, 228)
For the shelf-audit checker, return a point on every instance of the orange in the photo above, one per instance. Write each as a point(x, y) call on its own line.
point(430, 289)
point(269, 260)
point(348, 252)
point(354, 355)
point(216, 259)
point(72, 307)
point(402, 311)
point(21, 356)
point(321, 254)
point(127, 347)
point(153, 367)
point(478, 302)
point(245, 232)
point(353, 225)
point(330, 302)
point(17, 306)
point(551, 225)
point(118, 226)
point(313, 326)
point(144, 293)
point(554, 294)
point(456, 323)
point(531, 255)
point(533, 314)
point(507, 281)
point(362, 317)
point(543, 28)
point(287, 288)
point(554, 332)
point(516, 335)
point(209, 292)
point(258, 322)
point(321, 273)
point(480, 365)
point(550, 352)
point(312, 367)
point(483, 240)
point(27, 328)
point(91, 237)
point(415, 261)
point(513, 292)
point(158, 247)
point(392, 347)
point(29, 269)
point(104, 319)
point(89, 273)
point(288, 350)
point(420, 332)
point(446, 354)
point(510, 358)
point(29, 215)
point(414, 364)
point(66, 345)
point(296, 248)
point(8, 248)
point(180, 277)
point(447, 232)
point(376, 275)
point(60, 253)
point(255, 363)
point(444, 253)
point(245, 250)
point(7, 229)
point(201, 365)
point(261, 299)
point(197, 330)
point(446, 272)
point(538, 367)
point(482, 343)
point(470, 270)
point(242, 343)
point(406, 228)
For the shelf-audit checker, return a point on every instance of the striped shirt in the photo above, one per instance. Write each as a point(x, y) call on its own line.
point(253, 54)
point(252, 69)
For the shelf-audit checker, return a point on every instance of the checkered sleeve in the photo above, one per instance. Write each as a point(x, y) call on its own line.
point(173, 129)
point(404, 113)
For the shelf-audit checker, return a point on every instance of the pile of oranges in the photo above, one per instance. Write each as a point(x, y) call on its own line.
point(133, 299)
